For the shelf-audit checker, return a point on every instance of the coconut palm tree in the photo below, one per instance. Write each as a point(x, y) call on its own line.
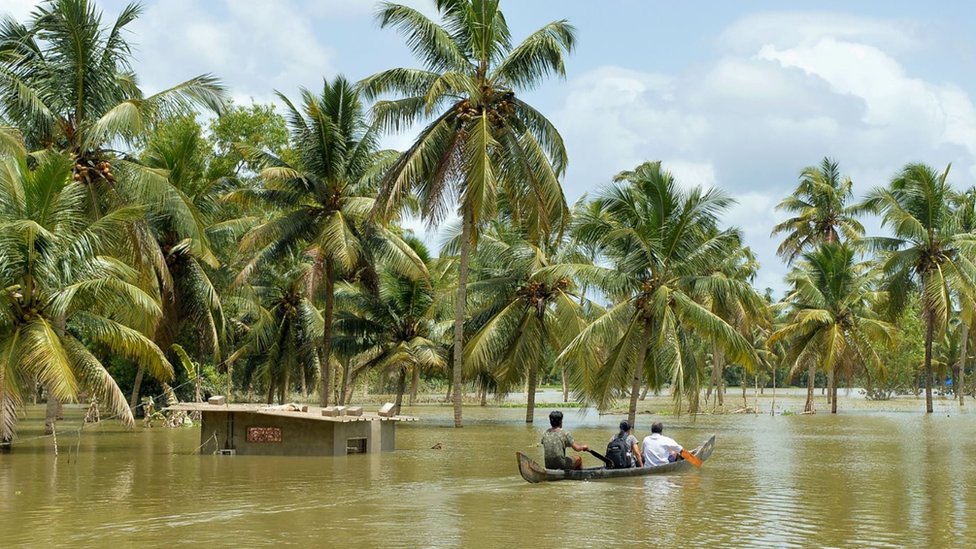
point(282, 328)
point(662, 243)
point(966, 213)
point(63, 303)
point(733, 301)
point(324, 200)
point(832, 324)
point(394, 329)
point(928, 252)
point(527, 315)
point(179, 225)
point(820, 211)
point(482, 140)
point(66, 82)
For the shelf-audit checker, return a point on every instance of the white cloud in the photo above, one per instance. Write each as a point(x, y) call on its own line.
point(802, 27)
point(789, 89)
point(894, 101)
point(20, 10)
point(258, 46)
point(689, 174)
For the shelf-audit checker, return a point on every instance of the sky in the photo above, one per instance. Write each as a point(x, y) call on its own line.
point(735, 95)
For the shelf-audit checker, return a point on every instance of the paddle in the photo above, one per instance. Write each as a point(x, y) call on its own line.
point(691, 458)
point(603, 458)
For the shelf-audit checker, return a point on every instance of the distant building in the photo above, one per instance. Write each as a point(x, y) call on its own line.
point(293, 430)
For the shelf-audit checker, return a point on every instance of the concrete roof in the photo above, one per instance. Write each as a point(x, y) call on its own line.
point(314, 412)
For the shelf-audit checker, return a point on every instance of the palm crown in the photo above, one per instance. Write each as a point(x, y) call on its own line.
point(663, 244)
point(66, 81)
point(820, 211)
point(483, 140)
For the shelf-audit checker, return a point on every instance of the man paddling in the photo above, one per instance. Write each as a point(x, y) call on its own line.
point(658, 449)
point(555, 441)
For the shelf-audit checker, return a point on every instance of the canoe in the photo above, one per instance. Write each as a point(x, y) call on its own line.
point(533, 472)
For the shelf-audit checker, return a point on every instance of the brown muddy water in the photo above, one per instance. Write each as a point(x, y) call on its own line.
point(865, 477)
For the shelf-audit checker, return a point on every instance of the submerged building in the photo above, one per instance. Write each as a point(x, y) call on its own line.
point(292, 430)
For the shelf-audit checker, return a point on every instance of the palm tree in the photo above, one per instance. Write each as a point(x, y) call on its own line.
point(529, 313)
point(735, 273)
point(927, 251)
point(483, 140)
point(820, 211)
point(281, 341)
point(67, 83)
point(325, 200)
point(662, 244)
point(180, 227)
point(966, 212)
point(395, 329)
point(63, 302)
point(833, 324)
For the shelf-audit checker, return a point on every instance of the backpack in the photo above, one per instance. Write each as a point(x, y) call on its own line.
point(617, 453)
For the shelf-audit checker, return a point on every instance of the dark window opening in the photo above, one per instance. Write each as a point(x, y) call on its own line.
point(355, 445)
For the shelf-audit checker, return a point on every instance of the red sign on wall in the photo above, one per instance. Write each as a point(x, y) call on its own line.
point(264, 434)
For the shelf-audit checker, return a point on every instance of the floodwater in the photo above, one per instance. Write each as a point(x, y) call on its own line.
point(861, 478)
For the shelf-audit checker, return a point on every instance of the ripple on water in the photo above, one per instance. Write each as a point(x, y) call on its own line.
point(826, 481)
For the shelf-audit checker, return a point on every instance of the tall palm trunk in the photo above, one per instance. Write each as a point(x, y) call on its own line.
point(136, 387)
point(718, 366)
point(811, 376)
point(534, 378)
point(414, 385)
point(325, 362)
point(346, 383)
point(929, 331)
point(833, 393)
point(638, 376)
point(963, 343)
point(565, 382)
point(401, 388)
point(459, 309)
point(830, 386)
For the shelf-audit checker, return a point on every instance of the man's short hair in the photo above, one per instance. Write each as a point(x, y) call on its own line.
point(657, 427)
point(556, 419)
point(624, 426)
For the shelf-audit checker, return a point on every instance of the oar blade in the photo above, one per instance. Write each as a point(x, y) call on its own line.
point(691, 458)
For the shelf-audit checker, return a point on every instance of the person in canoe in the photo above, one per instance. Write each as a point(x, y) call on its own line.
point(658, 449)
point(555, 441)
point(623, 450)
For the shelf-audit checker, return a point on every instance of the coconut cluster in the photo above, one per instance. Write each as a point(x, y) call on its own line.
point(88, 170)
point(536, 294)
point(496, 105)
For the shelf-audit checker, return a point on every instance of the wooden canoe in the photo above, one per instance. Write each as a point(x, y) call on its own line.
point(533, 472)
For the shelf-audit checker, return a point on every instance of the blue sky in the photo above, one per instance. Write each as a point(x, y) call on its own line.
point(739, 95)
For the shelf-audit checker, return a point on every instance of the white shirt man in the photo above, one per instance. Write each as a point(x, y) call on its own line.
point(658, 449)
